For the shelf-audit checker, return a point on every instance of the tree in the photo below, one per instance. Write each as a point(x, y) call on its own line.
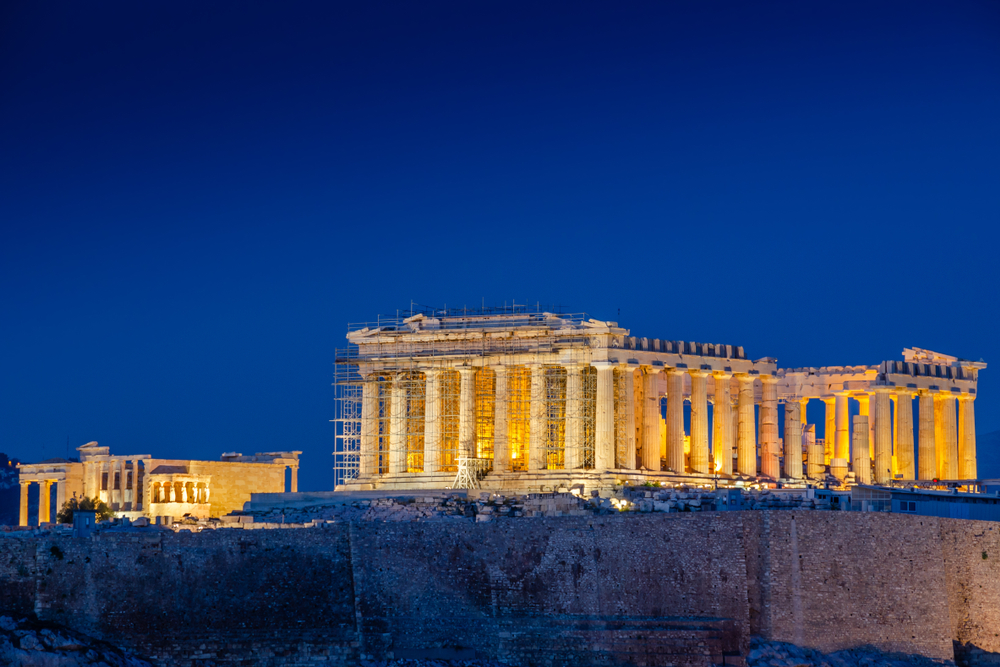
point(86, 504)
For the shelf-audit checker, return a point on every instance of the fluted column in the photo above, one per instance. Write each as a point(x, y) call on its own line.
point(861, 460)
point(947, 446)
point(467, 412)
point(904, 435)
point(968, 467)
point(746, 446)
point(538, 431)
point(793, 440)
point(650, 419)
point(432, 420)
point(699, 422)
point(864, 411)
point(604, 436)
point(883, 435)
point(367, 456)
point(625, 456)
point(23, 507)
point(60, 495)
point(675, 420)
point(573, 450)
point(842, 446)
point(769, 427)
point(830, 430)
point(722, 422)
point(816, 468)
point(803, 412)
point(926, 454)
point(501, 446)
point(44, 502)
point(397, 427)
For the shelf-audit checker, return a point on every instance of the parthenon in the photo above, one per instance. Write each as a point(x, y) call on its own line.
point(532, 401)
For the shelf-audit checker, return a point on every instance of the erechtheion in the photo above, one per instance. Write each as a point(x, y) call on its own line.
point(533, 401)
point(137, 485)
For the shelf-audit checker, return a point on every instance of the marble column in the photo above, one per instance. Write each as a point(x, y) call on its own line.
point(830, 430)
point(625, 456)
point(793, 440)
point(926, 455)
point(722, 423)
point(883, 435)
point(816, 468)
point(23, 507)
point(746, 446)
point(804, 412)
point(501, 446)
point(904, 435)
point(864, 405)
point(968, 467)
point(397, 426)
point(842, 448)
point(675, 420)
point(861, 461)
point(295, 479)
point(432, 420)
point(699, 422)
point(949, 428)
point(467, 412)
point(44, 502)
point(538, 428)
point(367, 456)
point(650, 419)
point(769, 427)
point(573, 451)
point(60, 495)
point(604, 418)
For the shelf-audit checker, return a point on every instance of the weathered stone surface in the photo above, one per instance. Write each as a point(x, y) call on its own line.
point(678, 588)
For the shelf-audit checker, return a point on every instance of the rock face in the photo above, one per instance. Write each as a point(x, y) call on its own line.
point(33, 644)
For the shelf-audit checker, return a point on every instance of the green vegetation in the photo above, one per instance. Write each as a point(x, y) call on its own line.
point(86, 504)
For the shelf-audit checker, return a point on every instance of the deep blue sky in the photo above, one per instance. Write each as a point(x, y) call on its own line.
point(195, 198)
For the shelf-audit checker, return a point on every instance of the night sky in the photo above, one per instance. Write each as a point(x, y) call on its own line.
point(196, 198)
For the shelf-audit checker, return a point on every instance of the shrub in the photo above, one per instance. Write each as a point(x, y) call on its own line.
point(86, 504)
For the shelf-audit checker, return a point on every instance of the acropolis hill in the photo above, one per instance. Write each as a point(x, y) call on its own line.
point(531, 401)
point(545, 489)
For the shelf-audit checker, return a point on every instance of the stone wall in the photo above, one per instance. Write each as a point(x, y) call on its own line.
point(639, 589)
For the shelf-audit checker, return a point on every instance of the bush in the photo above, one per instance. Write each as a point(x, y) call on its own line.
point(86, 504)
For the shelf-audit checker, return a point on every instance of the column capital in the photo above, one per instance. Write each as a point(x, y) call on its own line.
point(430, 371)
point(699, 372)
point(883, 390)
point(465, 370)
point(575, 366)
point(722, 375)
point(653, 370)
point(966, 396)
point(603, 365)
point(768, 379)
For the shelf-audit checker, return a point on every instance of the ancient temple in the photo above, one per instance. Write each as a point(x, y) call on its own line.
point(137, 485)
point(534, 401)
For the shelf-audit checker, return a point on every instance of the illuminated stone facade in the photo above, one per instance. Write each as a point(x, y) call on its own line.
point(538, 401)
point(140, 486)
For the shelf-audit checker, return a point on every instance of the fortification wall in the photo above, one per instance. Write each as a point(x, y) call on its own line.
point(641, 589)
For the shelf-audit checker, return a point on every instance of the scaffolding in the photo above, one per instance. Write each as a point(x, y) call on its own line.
point(403, 421)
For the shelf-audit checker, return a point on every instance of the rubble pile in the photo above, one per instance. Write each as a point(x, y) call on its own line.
point(30, 643)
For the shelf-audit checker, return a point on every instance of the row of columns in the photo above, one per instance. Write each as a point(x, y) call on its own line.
point(180, 492)
point(946, 447)
point(44, 500)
